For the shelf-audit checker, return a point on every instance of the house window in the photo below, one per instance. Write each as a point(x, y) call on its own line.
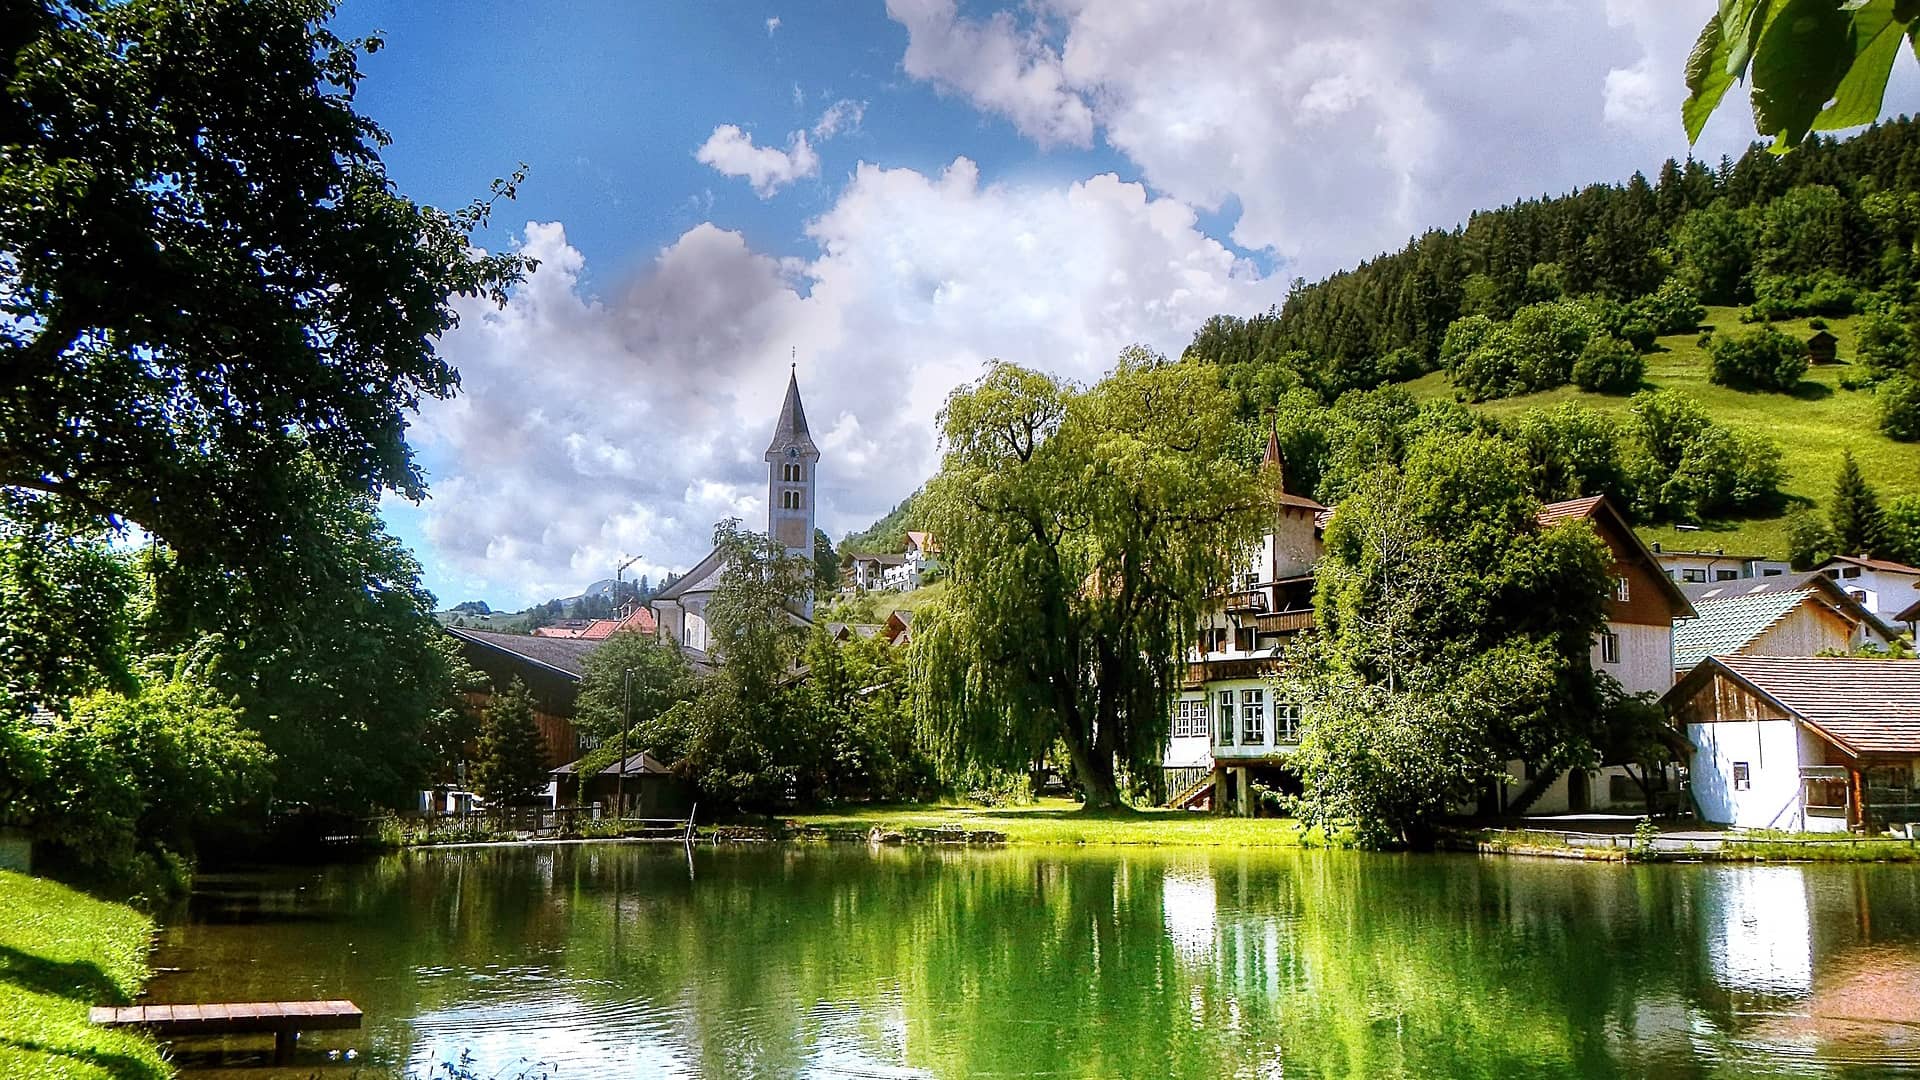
point(1609, 647)
point(1769, 573)
point(1286, 723)
point(1620, 592)
point(1226, 718)
point(1850, 572)
point(790, 500)
point(1741, 780)
point(1253, 717)
point(1691, 577)
point(1190, 718)
point(1243, 639)
point(1825, 793)
point(1248, 581)
point(1726, 575)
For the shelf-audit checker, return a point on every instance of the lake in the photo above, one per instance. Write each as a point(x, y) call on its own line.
point(628, 960)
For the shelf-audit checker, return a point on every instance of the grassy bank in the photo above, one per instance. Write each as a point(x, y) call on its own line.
point(1813, 427)
point(60, 952)
point(1062, 821)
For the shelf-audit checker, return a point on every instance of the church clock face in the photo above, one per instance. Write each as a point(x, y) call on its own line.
point(793, 452)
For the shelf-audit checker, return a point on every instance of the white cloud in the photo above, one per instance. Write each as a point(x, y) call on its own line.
point(842, 116)
point(773, 23)
point(1338, 129)
point(1002, 66)
point(730, 152)
point(592, 426)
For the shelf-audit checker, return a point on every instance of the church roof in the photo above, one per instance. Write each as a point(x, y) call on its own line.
point(791, 428)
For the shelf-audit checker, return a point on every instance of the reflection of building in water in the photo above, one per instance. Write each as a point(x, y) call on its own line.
point(1759, 932)
point(1191, 910)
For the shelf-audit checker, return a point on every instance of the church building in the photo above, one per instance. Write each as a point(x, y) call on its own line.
point(792, 474)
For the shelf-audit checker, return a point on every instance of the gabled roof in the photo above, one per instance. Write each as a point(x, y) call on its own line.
point(638, 763)
point(924, 541)
point(639, 620)
point(565, 656)
point(1861, 706)
point(1912, 614)
point(695, 576)
point(879, 558)
point(791, 428)
point(1596, 508)
point(1729, 624)
point(1884, 565)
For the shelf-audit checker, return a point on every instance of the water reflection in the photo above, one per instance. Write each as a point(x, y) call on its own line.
point(896, 963)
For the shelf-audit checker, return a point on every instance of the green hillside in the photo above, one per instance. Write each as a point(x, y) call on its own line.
point(1813, 427)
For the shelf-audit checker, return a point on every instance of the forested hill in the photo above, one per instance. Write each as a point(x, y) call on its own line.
point(1386, 319)
point(1647, 340)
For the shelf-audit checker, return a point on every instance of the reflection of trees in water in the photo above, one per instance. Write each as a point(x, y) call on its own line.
point(785, 961)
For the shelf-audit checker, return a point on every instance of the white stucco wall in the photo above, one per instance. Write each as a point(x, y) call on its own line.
point(1772, 751)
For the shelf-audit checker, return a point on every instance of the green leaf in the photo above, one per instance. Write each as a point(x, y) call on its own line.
point(1707, 78)
point(1805, 51)
point(1876, 37)
point(1741, 24)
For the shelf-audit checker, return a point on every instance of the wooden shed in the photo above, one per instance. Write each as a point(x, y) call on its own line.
point(1823, 348)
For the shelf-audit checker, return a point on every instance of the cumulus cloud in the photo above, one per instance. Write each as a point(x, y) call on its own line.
point(592, 425)
point(731, 152)
point(773, 23)
point(1338, 129)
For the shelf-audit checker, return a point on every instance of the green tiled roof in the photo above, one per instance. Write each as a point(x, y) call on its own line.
point(1727, 623)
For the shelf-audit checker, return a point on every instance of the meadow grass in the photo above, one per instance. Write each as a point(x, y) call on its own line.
point(60, 952)
point(1813, 427)
point(1063, 821)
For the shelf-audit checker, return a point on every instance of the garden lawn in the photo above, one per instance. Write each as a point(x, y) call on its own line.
point(60, 952)
point(1062, 821)
point(1813, 428)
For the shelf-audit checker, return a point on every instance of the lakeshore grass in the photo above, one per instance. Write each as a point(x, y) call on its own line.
point(60, 952)
point(1065, 822)
point(1813, 427)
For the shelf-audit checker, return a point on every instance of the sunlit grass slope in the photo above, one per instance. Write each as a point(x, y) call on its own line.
point(1062, 821)
point(1813, 428)
point(60, 952)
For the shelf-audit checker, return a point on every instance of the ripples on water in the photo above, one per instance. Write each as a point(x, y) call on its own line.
point(606, 960)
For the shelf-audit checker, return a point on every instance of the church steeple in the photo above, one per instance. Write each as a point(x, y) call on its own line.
point(791, 428)
point(792, 468)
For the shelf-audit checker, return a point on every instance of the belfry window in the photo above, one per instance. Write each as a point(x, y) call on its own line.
point(789, 500)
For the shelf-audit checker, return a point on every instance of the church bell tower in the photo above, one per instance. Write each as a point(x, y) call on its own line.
point(792, 466)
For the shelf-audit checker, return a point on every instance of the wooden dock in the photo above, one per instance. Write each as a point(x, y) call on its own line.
point(284, 1019)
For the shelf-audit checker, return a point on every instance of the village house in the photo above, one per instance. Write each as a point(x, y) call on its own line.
point(1700, 567)
point(867, 571)
point(679, 610)
point(1886, 588)
point(636, 619)
point(1802, 744)
point(1636, 648)
point(551, 669)
point(1228, 732)
point(1802, 615)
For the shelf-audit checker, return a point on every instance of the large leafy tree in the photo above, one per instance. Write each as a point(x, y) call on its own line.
point(206, 276)
point(1082, 529)
point(630, 679)
point(1454, 638)
point(743, 738)
point(1813, 65)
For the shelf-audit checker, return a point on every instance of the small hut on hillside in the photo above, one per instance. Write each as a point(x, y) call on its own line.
point(1823, 348)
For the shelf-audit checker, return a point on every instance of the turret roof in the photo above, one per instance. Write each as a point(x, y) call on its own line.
point(791, 428)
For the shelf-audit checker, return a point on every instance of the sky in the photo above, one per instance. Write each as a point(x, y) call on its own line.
point(888, 194)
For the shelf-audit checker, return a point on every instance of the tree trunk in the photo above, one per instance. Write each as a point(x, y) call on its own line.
point(1093, 770)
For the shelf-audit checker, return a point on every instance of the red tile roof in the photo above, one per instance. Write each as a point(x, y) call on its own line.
point(1554, 513)
point(1864, 706)
point(1876, 564)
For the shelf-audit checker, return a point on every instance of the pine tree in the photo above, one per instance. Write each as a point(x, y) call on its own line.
point(513, 763)
point(1855, 513)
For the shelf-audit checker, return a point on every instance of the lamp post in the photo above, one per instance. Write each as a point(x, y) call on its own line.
point(626, 722)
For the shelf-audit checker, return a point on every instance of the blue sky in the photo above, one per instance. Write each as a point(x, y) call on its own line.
point(897, 191)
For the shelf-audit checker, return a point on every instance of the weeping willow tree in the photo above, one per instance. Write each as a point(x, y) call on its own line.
point(1083, 529)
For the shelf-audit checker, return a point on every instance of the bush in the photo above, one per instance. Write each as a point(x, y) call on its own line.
point(1899, 401)
point(1682, 466)
point(1609, 365)
point(1761, 359)
point(1884, 344)
point(1673, 308)
point(1535, 351)
point(1784, 297)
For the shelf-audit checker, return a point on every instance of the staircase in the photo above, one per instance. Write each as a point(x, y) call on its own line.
point(1530, 794)
point(1197, 795)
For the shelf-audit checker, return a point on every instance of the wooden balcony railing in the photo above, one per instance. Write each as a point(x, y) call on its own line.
point(1246, 602)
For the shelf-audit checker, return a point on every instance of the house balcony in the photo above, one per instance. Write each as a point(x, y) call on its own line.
point(1284, 622)
point(1246, 602)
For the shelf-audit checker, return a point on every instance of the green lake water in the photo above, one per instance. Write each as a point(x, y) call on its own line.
point(627, 960)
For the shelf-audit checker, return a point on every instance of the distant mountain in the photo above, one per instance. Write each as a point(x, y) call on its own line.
point(473, 607)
